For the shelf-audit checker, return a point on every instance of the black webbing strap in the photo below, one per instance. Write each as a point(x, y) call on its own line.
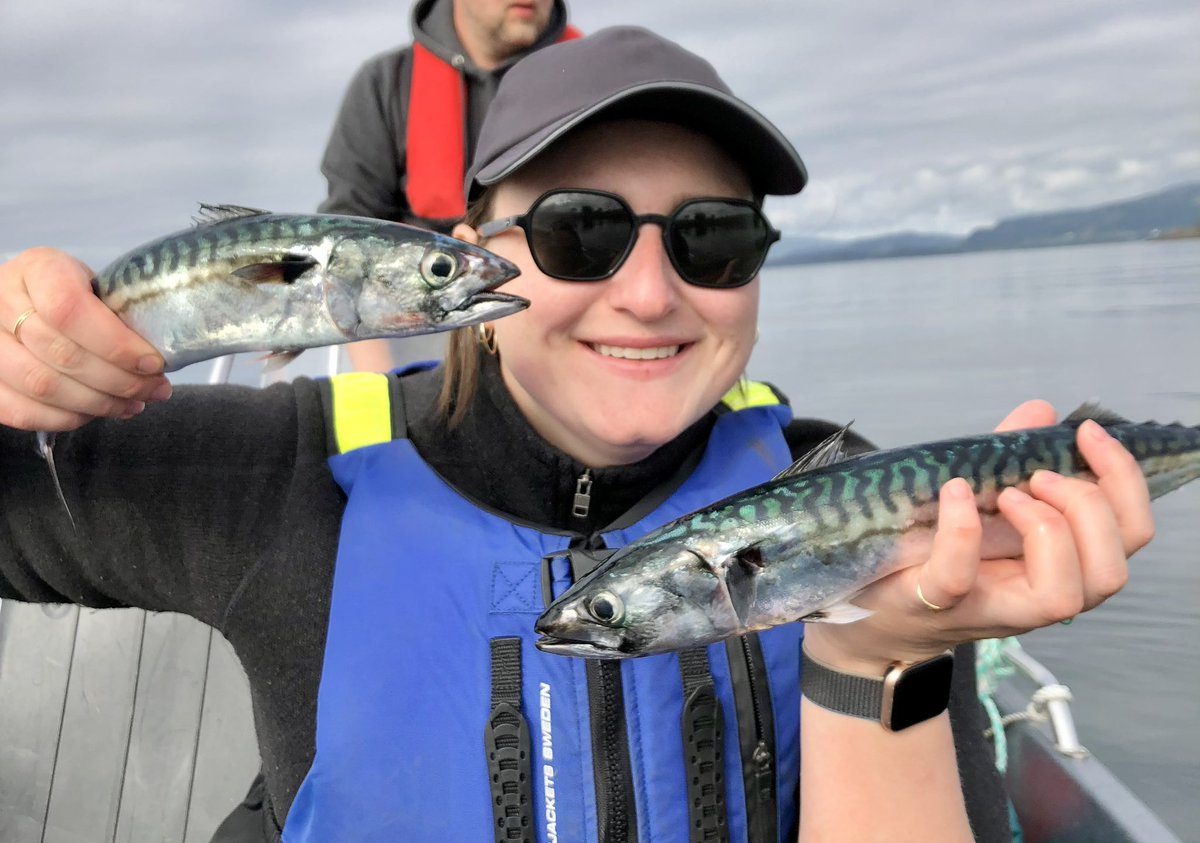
point(507, 744)
point(702, 726)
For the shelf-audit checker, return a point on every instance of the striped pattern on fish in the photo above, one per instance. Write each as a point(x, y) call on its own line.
point(799, 547)
point(249, 280)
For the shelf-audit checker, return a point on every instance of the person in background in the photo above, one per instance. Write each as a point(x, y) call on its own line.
point(408, 122)
point(381, 587)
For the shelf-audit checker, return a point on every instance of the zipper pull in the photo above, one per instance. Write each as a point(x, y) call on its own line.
point(764, 772)
point(583, 494)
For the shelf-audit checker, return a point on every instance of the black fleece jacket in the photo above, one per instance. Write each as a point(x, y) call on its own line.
point(220, 504)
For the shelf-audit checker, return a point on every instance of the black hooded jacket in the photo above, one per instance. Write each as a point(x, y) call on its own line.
point(364, 161)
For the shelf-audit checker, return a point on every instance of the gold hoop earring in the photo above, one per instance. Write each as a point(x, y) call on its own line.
point(486, 336)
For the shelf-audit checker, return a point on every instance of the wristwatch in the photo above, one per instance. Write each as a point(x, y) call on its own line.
point(906, 695)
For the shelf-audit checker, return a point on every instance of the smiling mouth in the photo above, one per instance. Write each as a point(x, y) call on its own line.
point(661, 352)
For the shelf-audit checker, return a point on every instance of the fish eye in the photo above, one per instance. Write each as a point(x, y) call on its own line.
point(607, 608)
point(438, 268)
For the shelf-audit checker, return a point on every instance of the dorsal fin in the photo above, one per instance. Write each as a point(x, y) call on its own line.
point(210, 214)
point(1092, 410)
point(827, 452)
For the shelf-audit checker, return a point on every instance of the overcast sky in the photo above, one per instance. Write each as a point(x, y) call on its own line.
point(117, 117)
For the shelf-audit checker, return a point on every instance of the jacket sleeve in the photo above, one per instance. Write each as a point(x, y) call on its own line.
point(175, 509)
point(364, 161)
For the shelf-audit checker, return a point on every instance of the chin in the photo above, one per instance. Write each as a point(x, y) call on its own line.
point(642, 438)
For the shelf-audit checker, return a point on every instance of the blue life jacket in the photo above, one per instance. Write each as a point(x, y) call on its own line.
point(437, 719)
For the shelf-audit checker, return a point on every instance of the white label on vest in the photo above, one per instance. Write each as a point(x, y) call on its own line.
point(547, 756)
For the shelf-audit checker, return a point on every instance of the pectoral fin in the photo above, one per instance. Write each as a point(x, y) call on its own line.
point(838, 613)
point(283, 271)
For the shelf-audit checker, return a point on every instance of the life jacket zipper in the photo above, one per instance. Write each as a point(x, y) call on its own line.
point(616, 808)
point(756, 737)
point(583, 494)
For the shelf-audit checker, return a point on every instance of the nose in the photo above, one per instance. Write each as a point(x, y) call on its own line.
point(646, 285)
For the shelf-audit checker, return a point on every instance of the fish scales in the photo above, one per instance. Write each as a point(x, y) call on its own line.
point(800, 546)
point(248, 280)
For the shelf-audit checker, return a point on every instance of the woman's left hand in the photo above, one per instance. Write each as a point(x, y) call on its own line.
point(1076, 536)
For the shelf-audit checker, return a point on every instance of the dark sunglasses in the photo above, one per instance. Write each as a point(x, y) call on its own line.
point(585, 235)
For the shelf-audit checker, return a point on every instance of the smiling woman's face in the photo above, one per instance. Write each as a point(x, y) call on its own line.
point(608, 371)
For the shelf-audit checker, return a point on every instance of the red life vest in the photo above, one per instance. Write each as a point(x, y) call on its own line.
point(436, 135)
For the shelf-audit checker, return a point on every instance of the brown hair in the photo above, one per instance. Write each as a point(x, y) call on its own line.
point(460, 365)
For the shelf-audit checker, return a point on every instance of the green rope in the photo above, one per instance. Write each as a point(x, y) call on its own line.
point(990, 667)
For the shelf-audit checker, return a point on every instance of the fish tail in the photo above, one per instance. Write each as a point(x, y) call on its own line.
point(1172, 478)
point(45, 441)
point(1168, 454)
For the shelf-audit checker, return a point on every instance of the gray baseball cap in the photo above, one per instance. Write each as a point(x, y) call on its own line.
point(624, 71)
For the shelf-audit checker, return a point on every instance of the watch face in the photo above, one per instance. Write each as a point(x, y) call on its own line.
point(917, 693)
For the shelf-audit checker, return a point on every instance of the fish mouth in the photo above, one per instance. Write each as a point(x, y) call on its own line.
point(574, 647)
point(485, 306)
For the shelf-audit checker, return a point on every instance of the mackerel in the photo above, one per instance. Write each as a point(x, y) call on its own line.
point(801, 546)
point(249, 280)
point(244, 279)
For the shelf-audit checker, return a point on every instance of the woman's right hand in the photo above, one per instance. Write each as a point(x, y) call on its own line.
point(73, 359)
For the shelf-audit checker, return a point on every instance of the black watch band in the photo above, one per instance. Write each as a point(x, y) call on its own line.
point(906, 695)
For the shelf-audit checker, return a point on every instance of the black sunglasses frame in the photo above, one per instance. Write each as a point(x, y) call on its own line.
point(665, 222)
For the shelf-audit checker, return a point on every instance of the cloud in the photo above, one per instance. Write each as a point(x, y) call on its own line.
point(115, 119)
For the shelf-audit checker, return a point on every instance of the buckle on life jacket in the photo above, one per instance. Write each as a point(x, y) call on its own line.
point(564, 568)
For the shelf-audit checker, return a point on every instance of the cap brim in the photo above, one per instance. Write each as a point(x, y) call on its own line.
point(770, 160)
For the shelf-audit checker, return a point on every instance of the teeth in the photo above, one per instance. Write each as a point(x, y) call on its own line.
point(659, 353)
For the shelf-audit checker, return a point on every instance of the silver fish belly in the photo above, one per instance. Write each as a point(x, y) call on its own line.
point(248, 280)
point(799, 547)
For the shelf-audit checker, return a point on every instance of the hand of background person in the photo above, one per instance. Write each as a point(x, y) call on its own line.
point(73, 359)
point(1075, 537)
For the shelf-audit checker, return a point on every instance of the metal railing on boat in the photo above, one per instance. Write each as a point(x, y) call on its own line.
point(1061, 793)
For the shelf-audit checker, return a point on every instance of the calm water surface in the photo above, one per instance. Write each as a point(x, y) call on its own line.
point(925, 348)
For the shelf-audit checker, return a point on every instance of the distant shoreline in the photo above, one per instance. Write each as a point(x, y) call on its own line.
point(1169, 214)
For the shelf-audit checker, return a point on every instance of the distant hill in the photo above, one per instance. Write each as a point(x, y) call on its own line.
point(1142, 218)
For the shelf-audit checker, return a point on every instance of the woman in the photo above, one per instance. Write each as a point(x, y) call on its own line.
point(612, 404)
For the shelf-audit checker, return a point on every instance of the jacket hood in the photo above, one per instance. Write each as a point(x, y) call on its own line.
point(432, 24)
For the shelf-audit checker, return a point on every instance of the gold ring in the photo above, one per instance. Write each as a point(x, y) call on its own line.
point(21, 321)
point(932, 606)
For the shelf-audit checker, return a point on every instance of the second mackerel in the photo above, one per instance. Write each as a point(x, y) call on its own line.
point(801, 546)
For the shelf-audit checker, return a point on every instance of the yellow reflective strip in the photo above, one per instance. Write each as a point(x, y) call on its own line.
point(362, 410)
point(746, 394)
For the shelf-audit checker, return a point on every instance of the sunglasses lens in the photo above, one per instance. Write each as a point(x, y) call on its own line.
point(579, 236)
point(719, 243)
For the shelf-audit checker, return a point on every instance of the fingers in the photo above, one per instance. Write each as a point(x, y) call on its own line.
point(31, 383)
point(23, 413)
point(1053, 572)
point(1035, 413)
point(949, 575)
point(1123, 483)
point(59, 288)
point(74, 358)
